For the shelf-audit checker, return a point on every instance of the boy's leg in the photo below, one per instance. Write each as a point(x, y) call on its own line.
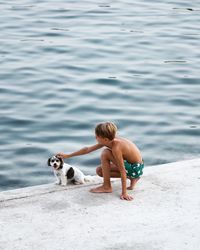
point(133, 183)
point(114, 171)
point(108, 170)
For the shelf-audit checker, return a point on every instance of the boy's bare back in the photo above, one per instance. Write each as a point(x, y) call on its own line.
point(129, 150)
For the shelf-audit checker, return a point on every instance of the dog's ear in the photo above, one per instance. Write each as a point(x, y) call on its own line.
point(48, 162)
point(70, 173)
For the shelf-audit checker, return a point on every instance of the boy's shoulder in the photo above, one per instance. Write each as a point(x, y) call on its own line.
point(122, 143)
point(117, 143)
point(119, 140)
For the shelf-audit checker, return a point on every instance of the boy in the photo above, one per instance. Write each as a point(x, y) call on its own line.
point(120, 159)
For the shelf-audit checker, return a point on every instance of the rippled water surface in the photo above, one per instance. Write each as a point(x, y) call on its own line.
point(67, 65)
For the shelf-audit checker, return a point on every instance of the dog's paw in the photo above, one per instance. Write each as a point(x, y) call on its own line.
point(78, 182)
point(57, 182)
point(64, 184)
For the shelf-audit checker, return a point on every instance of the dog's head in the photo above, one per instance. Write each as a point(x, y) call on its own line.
point(55, 162)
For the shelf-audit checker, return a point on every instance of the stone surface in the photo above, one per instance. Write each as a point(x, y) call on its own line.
point(165, 214)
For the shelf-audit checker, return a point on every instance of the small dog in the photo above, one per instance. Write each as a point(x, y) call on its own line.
point(65, 173)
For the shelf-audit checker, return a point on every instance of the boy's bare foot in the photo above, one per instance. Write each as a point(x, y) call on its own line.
point(133, 183)
point(101, 189)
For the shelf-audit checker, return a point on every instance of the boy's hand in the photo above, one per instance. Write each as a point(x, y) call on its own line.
point(126, 197)
point(62, 155)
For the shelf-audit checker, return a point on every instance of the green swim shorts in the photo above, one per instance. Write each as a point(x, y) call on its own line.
point(134, 170)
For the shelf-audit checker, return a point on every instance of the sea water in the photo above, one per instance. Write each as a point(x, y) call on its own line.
point(68, 65)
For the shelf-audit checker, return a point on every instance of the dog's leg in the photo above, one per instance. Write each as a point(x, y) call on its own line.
point(79, 178)
point(63, 180)
point(78, 181)
point(58, 179)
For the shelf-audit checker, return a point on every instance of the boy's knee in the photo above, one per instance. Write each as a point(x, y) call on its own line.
point(99, 171)
point(106, 153)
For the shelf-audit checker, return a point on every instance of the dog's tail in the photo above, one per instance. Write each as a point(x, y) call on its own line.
point(92, 178)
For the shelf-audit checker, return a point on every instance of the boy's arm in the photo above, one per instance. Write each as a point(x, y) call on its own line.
point(117, 153)
point(85, 150)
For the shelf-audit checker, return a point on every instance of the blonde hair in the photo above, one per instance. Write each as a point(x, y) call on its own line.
point(106, 130)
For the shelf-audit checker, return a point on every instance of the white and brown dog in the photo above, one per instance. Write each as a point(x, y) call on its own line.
point(65, 173)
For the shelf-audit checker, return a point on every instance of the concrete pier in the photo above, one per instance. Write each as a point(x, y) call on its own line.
point(165, 214)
